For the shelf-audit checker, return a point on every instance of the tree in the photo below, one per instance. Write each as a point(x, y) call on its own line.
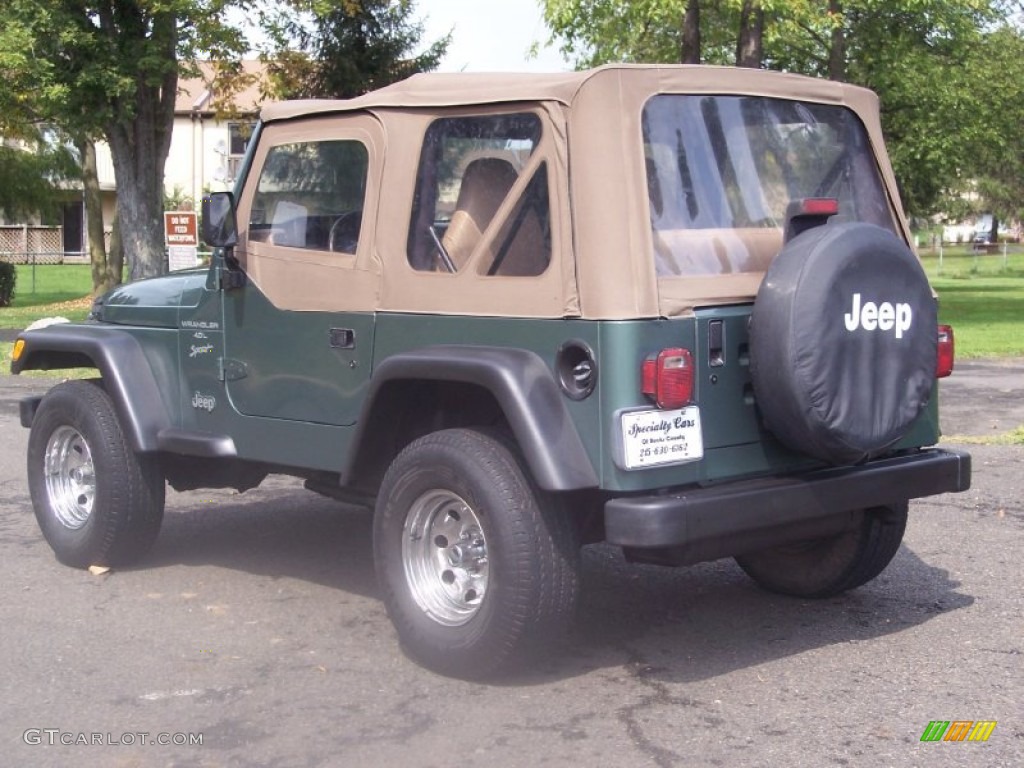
point(594, 32)
point(107, 267)
point(912, 53)
point(28, 184)
point(32, 162)
point(995, 159)
point(690, 47)
point(750, 43)
point(30, 175)
point(109, 69)
point(342, 48)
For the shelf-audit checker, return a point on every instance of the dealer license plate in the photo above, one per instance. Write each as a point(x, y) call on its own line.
point(653, 438)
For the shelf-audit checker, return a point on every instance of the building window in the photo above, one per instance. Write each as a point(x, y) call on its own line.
point(239, 133)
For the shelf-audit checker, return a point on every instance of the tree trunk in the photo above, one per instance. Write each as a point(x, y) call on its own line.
point(750, 43)
point(139, 173)
point(690, 49)
point(103, 278)
point(139, 147)
point(115, 258)
point(837, 46)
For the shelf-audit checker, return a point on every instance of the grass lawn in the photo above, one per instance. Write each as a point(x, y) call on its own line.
point(982, 297)
point(54, 289)
point(1013, 437)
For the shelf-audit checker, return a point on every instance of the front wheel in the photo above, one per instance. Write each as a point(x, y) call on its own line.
point(478, 568)
point(96, 500)
point(827, 567)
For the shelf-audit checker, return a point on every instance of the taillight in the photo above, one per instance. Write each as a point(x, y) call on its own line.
point(817, 206)
point(668, 378)
point(944, 363)
point(807, 213)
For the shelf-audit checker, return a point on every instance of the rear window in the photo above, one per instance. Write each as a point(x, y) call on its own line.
point(721, 171)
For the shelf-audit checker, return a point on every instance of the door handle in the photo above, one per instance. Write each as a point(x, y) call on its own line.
point(342, 338)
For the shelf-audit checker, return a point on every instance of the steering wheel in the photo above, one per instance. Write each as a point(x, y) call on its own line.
point(344, 234)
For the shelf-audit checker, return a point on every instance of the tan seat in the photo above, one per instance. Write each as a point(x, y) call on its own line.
point(528, 254)
point(485, 184)
point(715, 251)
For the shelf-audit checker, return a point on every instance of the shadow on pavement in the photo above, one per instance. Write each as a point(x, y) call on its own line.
point(695, 623)
point(680, 625)
point(276, 533)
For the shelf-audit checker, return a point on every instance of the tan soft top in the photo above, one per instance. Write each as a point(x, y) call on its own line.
point(603, 263)
point(446, 89)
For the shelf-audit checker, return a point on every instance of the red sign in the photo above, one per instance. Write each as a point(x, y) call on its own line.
point(180, 228)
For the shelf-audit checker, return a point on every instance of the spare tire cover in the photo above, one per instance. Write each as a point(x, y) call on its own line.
point(843, 342)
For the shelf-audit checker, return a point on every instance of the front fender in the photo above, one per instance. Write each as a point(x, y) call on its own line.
point(127, 373)
point(524, 388)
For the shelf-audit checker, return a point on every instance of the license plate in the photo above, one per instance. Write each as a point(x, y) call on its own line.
point(654, 438)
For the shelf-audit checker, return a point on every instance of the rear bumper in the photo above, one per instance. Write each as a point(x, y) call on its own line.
point(748, 515)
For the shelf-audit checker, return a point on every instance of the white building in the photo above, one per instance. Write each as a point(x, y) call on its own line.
point(211, 130)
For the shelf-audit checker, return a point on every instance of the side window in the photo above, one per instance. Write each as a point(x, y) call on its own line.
point(469, 167)
point(310, 195)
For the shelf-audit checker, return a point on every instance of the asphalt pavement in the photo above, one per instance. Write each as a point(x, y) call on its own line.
point(255, 627)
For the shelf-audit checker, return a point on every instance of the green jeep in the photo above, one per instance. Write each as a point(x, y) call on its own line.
point(669, 308)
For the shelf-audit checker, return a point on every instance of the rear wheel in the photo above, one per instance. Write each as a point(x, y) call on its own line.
point(96, 500)
point(826, 567)
point(478, 567)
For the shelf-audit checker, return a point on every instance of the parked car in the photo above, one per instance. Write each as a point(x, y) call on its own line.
point(669, 308)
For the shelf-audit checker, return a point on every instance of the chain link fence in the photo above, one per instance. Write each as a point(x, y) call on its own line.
point(995, 259)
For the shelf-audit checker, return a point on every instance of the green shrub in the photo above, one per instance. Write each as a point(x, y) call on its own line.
point(8, 277)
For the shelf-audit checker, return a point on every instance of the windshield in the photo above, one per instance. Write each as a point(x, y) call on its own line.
point(721, 171)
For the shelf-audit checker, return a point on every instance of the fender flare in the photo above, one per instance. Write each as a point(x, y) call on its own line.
point(127, 374)
point(526, 392)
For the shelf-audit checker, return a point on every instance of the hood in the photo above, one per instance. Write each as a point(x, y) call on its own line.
point(153, 302)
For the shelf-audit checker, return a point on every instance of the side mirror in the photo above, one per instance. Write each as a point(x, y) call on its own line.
point(220, 227)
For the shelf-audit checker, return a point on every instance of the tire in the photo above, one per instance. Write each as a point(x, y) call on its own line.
point(478, 568)
point(97, 501)
point(843, 343)
point(827, 567)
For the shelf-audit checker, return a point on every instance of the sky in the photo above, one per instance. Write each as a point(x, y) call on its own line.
point(490, 35)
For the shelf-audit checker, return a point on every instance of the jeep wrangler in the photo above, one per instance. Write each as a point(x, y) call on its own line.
point(669, 308)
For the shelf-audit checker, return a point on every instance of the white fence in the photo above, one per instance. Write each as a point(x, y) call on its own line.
point(26, 244)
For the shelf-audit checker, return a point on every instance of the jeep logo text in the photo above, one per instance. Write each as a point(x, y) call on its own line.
point(881, 317)
point(203, 402)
